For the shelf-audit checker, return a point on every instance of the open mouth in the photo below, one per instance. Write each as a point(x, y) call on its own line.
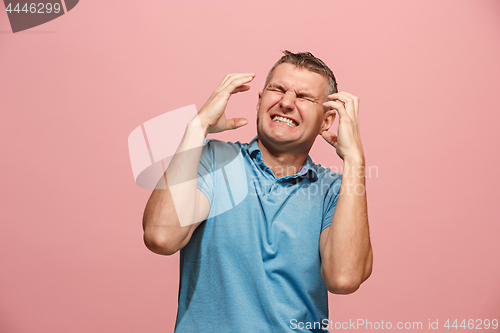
point(283, 120)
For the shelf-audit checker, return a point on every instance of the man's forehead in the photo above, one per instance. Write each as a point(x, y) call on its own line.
point(301, 79)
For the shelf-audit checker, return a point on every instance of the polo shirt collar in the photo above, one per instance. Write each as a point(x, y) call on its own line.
point(308, 167)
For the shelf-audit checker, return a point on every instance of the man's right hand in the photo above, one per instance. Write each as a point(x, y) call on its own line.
point(211, 115)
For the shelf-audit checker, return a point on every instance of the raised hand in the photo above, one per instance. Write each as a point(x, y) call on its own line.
point(347, 142)
point(212, 116)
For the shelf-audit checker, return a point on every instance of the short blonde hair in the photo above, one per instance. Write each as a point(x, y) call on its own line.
point(308, 61)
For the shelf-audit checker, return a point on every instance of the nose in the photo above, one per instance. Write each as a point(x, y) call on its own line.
point(288, 100)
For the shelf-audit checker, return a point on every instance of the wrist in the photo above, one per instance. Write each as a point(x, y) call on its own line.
point(355, 159)
point(354, 172)
point(198, 125)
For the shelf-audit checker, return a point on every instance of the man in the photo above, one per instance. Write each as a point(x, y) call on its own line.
point(265, 264)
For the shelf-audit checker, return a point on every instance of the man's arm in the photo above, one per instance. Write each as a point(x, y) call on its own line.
point(169, 221)
point(176, 207)
point(345, 247)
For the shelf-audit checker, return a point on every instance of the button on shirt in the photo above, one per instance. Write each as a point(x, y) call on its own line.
point(254, 264)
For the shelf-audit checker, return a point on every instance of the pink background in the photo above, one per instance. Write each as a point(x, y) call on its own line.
point(72, 257)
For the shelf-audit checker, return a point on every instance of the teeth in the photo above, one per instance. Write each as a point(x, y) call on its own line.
point(284, 121)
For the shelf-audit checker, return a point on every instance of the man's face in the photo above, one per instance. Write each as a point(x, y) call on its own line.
point(296, 95)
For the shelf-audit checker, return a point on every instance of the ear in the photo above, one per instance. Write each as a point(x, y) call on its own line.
point(258, 103)
point(328, 120)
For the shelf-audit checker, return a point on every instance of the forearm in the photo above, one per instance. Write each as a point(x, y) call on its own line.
point(348, 257)
point(170, 212)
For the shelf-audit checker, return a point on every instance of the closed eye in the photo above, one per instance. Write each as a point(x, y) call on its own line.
point(276, 89)
point(306, 98)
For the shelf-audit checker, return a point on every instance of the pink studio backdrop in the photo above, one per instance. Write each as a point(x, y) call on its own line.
point(72, 257)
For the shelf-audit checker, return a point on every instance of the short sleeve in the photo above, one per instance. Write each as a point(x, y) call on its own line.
point(331, 200)
point(205, 182)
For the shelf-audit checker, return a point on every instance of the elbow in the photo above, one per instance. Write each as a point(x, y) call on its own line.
point(159, 244)
point(342, 286)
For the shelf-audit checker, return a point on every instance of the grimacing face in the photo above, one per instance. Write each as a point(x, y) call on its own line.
point(290, 111)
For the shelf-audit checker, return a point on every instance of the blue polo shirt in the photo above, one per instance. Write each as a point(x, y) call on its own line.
point(254, 264)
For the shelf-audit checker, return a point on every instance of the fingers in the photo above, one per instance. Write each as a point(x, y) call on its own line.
point(330, 138)
point(233, 81)
point(333, 140)
point(241, 88)
point(235, 123)
point(235, 75)
point(340, 107)
point(350, 104)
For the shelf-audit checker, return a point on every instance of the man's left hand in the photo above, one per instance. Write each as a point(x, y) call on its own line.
point(347, 142)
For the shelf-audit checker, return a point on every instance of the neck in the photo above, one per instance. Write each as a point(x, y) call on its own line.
point(282, 163)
